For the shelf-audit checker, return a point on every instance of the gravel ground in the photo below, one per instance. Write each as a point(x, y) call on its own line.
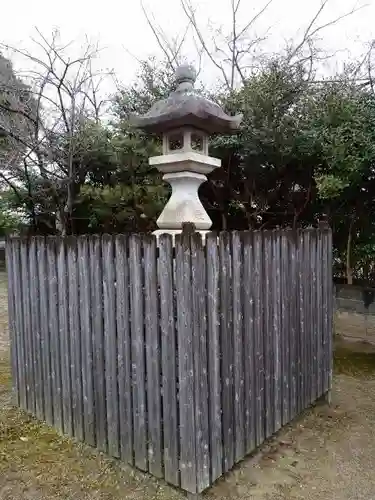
point(329, 452)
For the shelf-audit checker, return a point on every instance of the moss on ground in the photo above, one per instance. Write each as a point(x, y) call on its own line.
point(41, 461)
point(352, 362)
point(5, 378)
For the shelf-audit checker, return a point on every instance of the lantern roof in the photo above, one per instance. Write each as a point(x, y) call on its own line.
point(186, 108)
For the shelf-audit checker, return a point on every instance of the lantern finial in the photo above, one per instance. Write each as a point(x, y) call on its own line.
point(185, 77)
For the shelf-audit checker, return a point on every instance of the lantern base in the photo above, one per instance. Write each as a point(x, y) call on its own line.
point(185, 171)
point(174, 232)
point(184, 204)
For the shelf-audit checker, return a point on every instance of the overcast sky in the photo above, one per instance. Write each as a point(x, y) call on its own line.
point(121, 29)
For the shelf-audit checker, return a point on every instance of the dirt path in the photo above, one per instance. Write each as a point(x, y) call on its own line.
point(328, 453)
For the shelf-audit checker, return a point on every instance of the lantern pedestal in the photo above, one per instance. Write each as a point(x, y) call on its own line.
point(185, 172)
point(174, 232)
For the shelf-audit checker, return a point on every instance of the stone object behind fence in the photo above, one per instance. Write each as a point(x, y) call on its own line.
point(355, 312)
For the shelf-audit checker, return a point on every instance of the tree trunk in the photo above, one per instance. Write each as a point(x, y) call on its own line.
point(61, 222)
point(366, 271)
point(224, 224)
point(349, 270)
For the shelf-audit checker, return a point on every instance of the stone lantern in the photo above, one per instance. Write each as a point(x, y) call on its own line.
point(185, 120)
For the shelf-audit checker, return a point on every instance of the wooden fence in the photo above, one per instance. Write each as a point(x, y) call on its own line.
point(179, 360)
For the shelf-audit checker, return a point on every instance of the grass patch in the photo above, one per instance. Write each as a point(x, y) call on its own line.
point(35, 458)
point(5, 376)
point(350, 362)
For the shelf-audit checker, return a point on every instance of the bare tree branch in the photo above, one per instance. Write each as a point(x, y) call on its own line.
point(228, 61)
point(311, 31)
point(172, 54)
point(254, 18)
point(190, 14)
point(369, 67)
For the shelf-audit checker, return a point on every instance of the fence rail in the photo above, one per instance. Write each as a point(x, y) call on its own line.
point(179, 358)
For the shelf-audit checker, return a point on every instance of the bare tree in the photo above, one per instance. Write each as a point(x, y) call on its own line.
point(171, 48)
point(362, 73)
point(237, 52)
point(303, 50)
point(64, 96)
point(230, 52)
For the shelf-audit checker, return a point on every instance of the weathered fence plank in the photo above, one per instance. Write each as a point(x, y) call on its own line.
point(53, 314)
point(330, 308)
point(44, 331)
point(319, 314)
point(169, 368)
point(214, 354)
point(285, 330)
point(86, 341)
point(188, 466)
point(313, 317)
point(18, 309)
point(268, 339)
point(12, 312)
point(327, 306)
point(64, 334)
point(35, 329)
point(138, 355)
point(325, 314)
point(28, 339)
point(97, 321)
point(153, 366)
point(110, 345)
point(305, 324)
point(227, 360)
point(276, 329)
point(238, 346)
point(258, 337)
point(124, 348)
point(294, 320)
point(300, 328)
point(248, 339)
point(200, 361)
point(75, 337)
point(307, 276)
